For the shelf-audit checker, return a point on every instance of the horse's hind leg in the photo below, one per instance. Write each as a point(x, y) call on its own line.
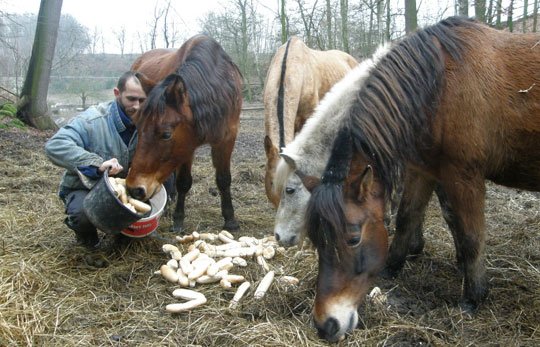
point(221, 159)
point(183, 185)
point(465, 198)
point(408, 238)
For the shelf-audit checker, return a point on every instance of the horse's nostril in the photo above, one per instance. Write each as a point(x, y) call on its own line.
point(137, 192)
point(277, 237)
point(329, 330)
point(331, 326)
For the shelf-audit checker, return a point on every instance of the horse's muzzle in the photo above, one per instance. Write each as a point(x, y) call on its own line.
point(138, 193)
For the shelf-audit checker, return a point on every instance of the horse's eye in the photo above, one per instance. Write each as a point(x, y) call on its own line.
point(353, 241)
point(167, 135)
point(289, 190)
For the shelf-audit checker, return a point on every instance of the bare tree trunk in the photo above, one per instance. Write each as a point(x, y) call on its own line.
point(380, 10)
point(480, 10)
point(489, 16)
point(158, 13)
point(121, 39)
point(535, 16)
point(370, 26)
point(498, 10)
point(463, 6)
point(307, 20)
point(283, 19)
point(243, 7)
point(388, 21)
point(511, 16)
point(329, 24)
point(411, 22)
point(525, 5)
point(33, 103)
point(344, 6)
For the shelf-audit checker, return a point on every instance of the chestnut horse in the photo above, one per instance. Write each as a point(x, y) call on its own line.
point(194, 98)
point(445, 109)
point(297, 79)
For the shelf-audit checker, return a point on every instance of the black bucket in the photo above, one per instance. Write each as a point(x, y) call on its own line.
point(105, 210)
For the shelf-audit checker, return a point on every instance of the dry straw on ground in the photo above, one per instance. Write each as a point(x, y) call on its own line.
point(50, 296)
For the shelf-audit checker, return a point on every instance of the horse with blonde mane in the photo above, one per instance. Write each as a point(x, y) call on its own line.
point(297, 79)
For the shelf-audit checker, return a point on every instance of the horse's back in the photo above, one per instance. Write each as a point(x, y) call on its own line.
point(332, 65)
point(156, 63)
point(491, 107)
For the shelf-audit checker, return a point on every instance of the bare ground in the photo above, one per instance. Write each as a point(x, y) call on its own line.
point(51, 296)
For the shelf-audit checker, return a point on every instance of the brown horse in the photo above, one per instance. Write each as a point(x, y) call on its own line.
point(445, 109)
point(196, 101)
point(297, 79)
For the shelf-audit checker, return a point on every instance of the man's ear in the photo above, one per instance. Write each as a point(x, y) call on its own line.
point(146, 83)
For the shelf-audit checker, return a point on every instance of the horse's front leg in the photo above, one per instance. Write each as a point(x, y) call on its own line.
point(183, 185)
point(450, 218)
point(465, 195)
point(221, 159)
point(408, 238)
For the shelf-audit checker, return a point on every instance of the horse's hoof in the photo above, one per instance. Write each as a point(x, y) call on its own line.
point(176, 229)
point(468, 306)
point(231, 225)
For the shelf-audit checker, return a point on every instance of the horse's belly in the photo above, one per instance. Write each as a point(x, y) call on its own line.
point(520, 175)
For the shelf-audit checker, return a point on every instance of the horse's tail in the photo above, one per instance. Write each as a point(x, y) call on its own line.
point(281, 97)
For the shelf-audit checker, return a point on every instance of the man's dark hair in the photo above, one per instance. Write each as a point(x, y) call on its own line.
point(126, 76)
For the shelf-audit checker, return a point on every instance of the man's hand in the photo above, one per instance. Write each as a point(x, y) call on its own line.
point(112, 165)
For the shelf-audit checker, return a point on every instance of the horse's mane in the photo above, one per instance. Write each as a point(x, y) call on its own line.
point(311, 147)
point(210, 78)
point(390, 118)
point(390, 114)
point(325, 216)
point(281, 96)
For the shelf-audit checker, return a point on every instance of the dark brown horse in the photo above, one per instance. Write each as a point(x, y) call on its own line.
point(194, 98)
point(445, 109)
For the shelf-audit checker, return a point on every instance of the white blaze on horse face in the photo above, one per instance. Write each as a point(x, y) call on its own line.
point(344, 311)
point(289, 222)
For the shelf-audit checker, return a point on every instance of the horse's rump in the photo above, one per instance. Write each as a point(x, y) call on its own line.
point(297, 79)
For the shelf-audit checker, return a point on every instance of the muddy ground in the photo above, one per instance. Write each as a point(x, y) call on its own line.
point(50, 295)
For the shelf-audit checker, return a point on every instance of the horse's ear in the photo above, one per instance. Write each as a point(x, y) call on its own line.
point(362, 185)
point(146, 83)
point(268, 144)
point(289, 159)
point(310, 182)
point(175, 93)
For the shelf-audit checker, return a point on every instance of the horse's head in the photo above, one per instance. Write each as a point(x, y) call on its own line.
point(294, 196)
point(345, 223)
point(166, 135)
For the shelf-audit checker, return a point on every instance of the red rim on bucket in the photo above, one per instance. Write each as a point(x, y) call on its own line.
point(144, 226)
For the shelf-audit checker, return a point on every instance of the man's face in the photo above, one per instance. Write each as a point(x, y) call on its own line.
point(131, 98)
